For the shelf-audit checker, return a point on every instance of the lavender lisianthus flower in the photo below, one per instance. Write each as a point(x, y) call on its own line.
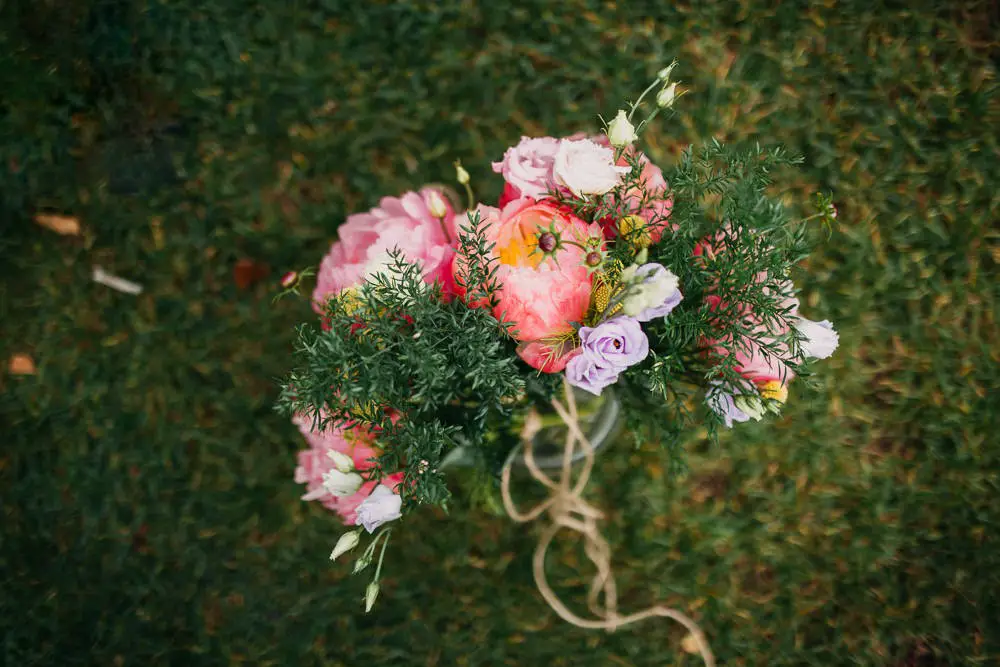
point(617, 343)
point(584, 372)
point(723, 403)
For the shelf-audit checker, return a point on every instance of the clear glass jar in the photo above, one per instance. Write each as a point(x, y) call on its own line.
point(600, 419)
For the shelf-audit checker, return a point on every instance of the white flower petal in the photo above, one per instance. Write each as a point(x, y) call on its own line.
point(341, 461)
point(821, 339)
point(341, 484)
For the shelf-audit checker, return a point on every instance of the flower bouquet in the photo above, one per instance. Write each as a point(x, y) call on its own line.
point(454, 329)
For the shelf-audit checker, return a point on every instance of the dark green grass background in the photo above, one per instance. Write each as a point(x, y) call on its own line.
point(148, 511)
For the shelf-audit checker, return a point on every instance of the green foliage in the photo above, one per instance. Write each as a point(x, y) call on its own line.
point(424, 374)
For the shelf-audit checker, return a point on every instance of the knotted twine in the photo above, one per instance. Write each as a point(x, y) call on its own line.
point(567, 509)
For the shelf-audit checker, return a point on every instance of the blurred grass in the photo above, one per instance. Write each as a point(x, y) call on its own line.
point(149, 515)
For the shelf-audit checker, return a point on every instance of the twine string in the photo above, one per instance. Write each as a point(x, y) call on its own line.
point(568, 510)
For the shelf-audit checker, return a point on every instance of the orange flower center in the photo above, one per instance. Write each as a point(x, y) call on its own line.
point(521, 250)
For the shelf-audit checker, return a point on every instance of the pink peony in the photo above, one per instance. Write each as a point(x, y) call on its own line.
point(540, 296)
point(527, 168)
point(316, 461)
point(365, 240)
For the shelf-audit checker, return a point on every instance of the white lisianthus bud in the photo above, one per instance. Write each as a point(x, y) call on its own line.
point(665, 98)
point(461, 175)
point(341, 484)
point(361, 563)
point(371, 593)
point(751, 406)
point(436, 205)
point(341, 461)
point(620, 131)
point(346, 542)
point(664, 74)
point(820, 338)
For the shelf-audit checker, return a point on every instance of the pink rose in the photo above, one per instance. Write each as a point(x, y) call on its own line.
point(365, 240)
point(540, 298)
point(316, 461)
point(527, 168)
point(586, 168)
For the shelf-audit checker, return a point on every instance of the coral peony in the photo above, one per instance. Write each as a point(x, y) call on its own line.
point(316, 461)
point(541, 296)
point(366, 239)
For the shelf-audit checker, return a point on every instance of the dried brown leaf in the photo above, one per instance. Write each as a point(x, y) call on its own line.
point(60, 224)
point(21, 364)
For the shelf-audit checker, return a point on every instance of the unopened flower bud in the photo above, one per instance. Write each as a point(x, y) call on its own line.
point(620, 131)
point(290, 280)
point(436, 204)
point(361, 563)
point(665, 98)
point(346, 542)
point(341, 461)
point(370, 594)
point(547, 242)
point(461, 175)
point(664, 74)
point(593, 259)
point(751, 406)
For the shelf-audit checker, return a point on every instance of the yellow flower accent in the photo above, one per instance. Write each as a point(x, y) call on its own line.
point(603, 289)
point(350, 300)
point(636, 230)
point(520, 251)
point(775, 390)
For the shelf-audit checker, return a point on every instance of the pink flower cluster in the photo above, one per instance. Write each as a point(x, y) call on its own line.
point(402, 223)
point(763, 358)
point(317, 461)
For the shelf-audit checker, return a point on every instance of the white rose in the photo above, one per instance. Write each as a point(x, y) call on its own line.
point(380, 507)
point(620, 131)
point(586, 168)
point(342, 483)
point(820, 337)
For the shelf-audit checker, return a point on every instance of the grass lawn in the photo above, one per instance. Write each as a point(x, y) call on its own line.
point(148, 511)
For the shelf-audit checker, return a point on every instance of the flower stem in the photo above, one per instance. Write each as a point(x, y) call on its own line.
point(444, 229)
point(381, 556)
point(472, 198)
point(635, 105)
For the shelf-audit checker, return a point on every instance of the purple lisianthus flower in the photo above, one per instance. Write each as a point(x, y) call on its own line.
point(722, 403)
point(617, 343)
point(584, 372)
